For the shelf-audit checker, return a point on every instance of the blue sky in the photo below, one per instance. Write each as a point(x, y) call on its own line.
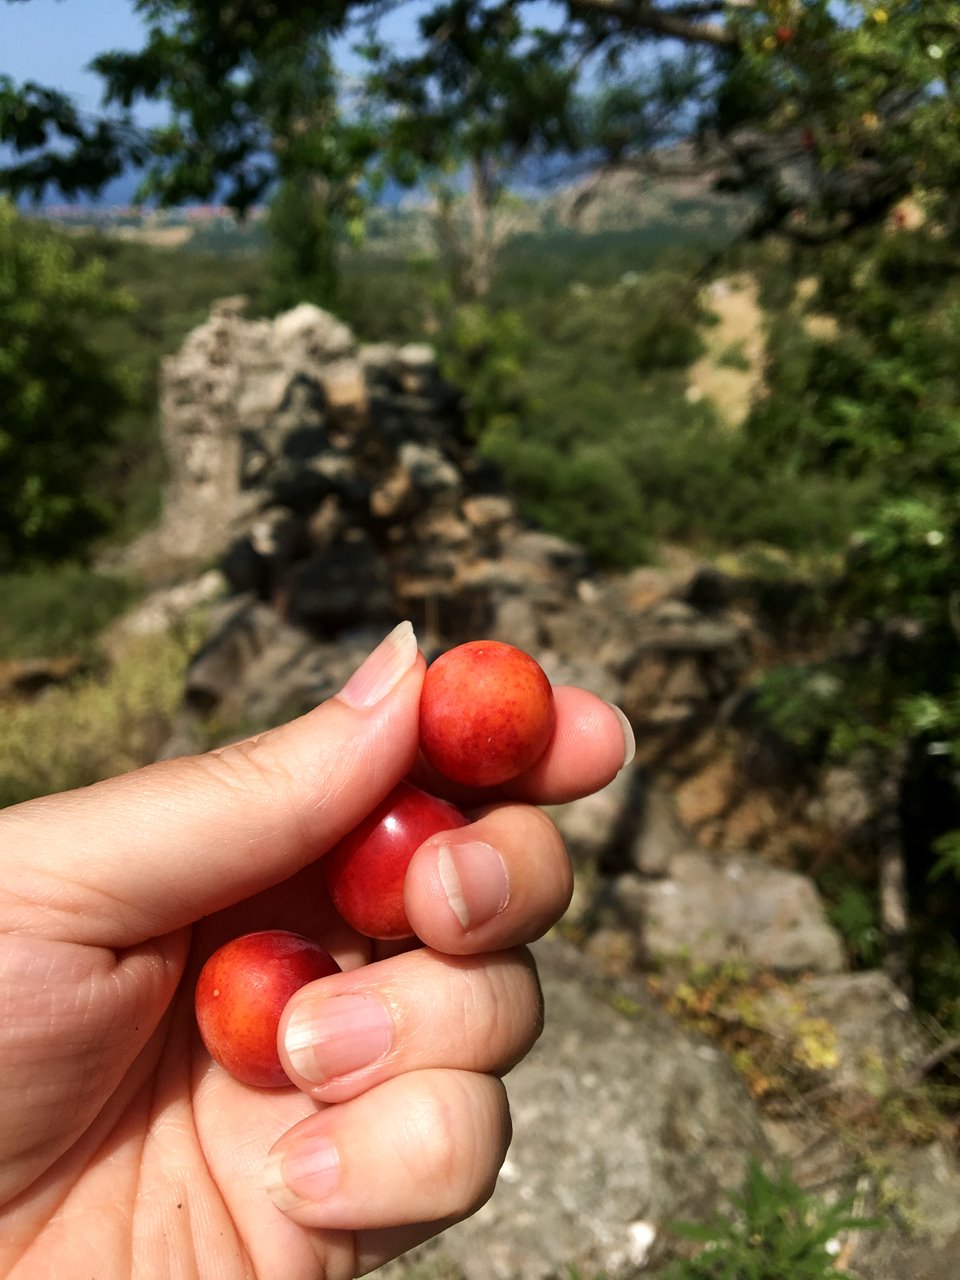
point(51, 41)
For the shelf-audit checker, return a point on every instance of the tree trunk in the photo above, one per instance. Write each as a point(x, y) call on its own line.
point(482, 229)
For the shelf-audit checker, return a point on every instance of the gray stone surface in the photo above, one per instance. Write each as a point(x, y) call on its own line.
point(921, 1215)
point(594, 826)
point(659, 835)
point(880, 1043)
point(709, 910)
point(621, 1125)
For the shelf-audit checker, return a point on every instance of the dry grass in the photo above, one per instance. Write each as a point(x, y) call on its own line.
point(97, 725)
point(730, 371)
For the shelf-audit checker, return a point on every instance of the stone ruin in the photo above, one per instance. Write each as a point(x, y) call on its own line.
point(334, 486)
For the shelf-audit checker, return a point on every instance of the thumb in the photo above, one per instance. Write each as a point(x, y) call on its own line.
point(138, 856)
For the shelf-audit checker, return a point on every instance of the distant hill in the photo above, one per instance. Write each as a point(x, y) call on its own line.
point(598, 203)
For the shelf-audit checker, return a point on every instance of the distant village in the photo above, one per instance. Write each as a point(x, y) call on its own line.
point(207, 224)
point(137, 215)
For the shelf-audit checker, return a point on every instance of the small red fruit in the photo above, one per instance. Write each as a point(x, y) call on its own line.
point(486, 713)
point(785, 34)
point(241, 993)
point(366, 869)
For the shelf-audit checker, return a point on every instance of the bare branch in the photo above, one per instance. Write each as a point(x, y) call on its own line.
point(683, 22)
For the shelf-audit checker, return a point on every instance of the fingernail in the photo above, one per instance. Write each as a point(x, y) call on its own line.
point(383, 669)
point(474, 879)
point(307, 1170)
point(326, 1038)
point(629, 741)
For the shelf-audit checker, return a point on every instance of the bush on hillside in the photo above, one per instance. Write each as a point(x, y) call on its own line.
point(59, 397)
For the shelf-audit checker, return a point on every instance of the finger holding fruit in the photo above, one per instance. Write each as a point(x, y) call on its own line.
point(414, 867)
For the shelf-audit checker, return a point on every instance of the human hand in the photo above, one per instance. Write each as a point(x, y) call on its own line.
point(124, 1150)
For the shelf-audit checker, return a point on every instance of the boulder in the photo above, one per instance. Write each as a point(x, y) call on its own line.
point(879, 1043)
point(708, 911)
point(623, 1123)
point(597, 828)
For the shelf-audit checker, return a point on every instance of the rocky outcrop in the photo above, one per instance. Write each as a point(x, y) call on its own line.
point(333, 481)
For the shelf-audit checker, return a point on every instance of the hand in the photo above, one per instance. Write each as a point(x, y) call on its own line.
point(124, 1151)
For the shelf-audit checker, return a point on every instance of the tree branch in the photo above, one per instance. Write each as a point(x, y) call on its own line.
point(684, 22)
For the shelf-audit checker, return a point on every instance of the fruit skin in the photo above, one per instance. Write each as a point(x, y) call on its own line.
point(366, 869)
point(486, 713)
point(241, 993)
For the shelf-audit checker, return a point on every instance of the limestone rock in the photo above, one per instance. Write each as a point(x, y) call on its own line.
point(593, 828)
point(707, 912)
point(922, 1204)
point(343, 585)
point(879, 1041)
point(659, 834)
point(310, 335)
point(843, 803)
point(622, 1124)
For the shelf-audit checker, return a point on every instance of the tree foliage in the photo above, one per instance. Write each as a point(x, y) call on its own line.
point(828, 113)
point(58, 396)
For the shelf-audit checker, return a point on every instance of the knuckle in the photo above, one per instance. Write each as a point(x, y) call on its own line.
point(461, 1134)
point(496, 1006)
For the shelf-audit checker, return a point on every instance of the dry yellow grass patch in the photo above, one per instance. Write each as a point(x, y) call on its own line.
point(730, 372)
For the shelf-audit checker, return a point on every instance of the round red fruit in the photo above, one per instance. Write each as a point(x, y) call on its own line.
point(365, 871)
point(241, 993)
point(486, 713)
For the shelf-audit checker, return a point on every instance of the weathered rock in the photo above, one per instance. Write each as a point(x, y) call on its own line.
point(707, 912)
point(165, 608)
point(879, 1042)
point(921, 1211)
point(844, 803)
point(622, 1124)
point(431, 473)
point(244, 630)
point(647, 587)
point(516, 620)
point(309, 336)
point(675, 627)
point(600, 826)
point(394, 495)
point(659, 835)
point(548, 553)
point(253, 561)
point(583, 671)
point(708, 793)
point(344, 585)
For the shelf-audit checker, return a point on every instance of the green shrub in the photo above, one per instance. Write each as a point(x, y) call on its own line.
point(482, 351)
point(302, 247)
point(663, 316)
point(59, 396)
point(854, 911)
